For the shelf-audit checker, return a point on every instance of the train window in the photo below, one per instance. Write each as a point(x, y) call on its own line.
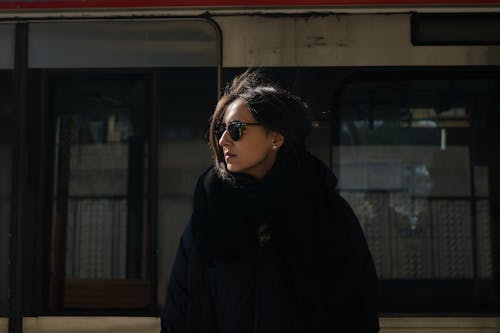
point(188, 98)
point(99, 236)
point(456, 29)
point(415, 160)
point(6, 140)
point(129, 103)
point(175, 43)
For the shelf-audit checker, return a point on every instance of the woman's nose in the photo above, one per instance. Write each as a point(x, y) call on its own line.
point(225, 139)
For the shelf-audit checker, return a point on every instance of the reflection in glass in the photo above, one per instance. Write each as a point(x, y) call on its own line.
point(408, 166)
point(100, 191)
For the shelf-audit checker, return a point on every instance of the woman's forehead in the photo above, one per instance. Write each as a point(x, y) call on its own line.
point(238, 110)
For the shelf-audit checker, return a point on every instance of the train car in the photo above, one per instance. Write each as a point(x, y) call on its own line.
point(104, 109)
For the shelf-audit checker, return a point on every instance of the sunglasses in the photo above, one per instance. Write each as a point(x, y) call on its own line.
point(235, 129)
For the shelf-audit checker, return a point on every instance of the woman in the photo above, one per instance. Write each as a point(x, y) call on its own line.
point(271, 246)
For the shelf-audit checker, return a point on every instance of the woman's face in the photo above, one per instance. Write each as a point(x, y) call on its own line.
point(255, 151)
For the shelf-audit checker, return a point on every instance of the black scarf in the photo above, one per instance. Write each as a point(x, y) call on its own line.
point(291, 199)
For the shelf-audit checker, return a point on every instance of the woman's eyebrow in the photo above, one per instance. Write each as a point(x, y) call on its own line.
point(229, 121)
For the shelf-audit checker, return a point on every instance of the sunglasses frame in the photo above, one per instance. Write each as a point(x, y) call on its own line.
point(235, 136)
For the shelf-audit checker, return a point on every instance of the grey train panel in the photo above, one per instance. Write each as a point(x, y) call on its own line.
point(338, 40)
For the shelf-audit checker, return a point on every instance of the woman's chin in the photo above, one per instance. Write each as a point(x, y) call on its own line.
point(232, 168)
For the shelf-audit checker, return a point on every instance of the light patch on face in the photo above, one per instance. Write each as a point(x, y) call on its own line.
point(253, 153)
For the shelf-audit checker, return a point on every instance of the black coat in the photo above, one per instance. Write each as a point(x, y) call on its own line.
point(284, 254)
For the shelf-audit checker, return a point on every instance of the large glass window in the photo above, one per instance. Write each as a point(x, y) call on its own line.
point(415, 159)
point(6, 148)
point(100, 230)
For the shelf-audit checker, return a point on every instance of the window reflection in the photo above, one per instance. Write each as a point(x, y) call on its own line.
point(409, 166)
point(100, 191)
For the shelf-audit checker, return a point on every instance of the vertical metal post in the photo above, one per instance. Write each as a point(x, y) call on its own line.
point(153, 125)
point(19, 179)
point(56, 284)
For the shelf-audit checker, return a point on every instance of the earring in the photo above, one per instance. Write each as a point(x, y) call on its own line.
point(275, 147)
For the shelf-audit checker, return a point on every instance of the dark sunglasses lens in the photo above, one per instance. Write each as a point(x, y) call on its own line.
point(234, 131)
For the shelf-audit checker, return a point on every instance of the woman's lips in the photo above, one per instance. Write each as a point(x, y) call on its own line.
point(228, 155)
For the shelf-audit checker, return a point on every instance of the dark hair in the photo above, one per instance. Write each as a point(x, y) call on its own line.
point(276, 108)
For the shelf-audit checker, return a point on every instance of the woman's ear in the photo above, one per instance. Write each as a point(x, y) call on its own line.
point(277, 140)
